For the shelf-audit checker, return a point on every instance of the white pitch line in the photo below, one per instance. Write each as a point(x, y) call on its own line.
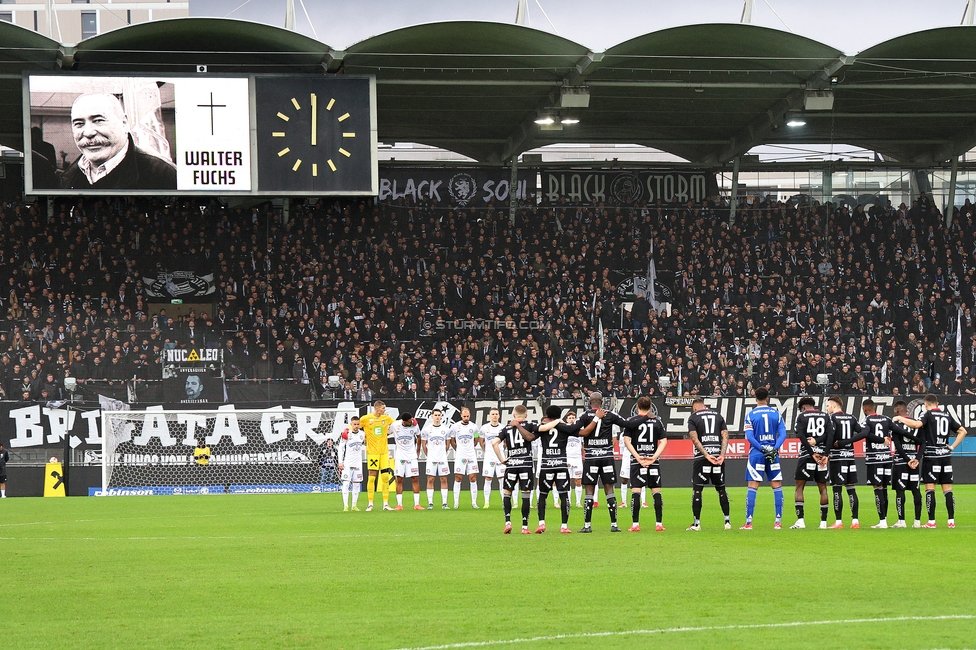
point(29, 523)
point(674, 630)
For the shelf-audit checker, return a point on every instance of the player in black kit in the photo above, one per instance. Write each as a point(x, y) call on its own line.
point(517, 438)
point(4, 459)
point(598, 464)
point(877, 457)
point(843, 469)
point(710, 436)
point(645, 438)
point(937, 425)
point(815, 430)
point(554, 468)
point(906, 470)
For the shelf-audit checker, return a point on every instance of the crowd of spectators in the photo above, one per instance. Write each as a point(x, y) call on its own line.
point(426, 300)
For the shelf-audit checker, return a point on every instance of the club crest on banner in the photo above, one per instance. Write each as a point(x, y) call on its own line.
point(626, 188)
point(462, 188)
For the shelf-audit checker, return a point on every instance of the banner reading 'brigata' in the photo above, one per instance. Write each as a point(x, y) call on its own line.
point(37, 425)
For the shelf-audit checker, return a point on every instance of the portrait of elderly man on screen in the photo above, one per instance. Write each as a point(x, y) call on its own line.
point(110, 159)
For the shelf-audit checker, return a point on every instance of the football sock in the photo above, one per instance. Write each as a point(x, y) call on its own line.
point(750, 504)
point(838, 502)
point(881, 502)
point(416, 498)
point(487, 492)
point(507, 506)
point(564, 507)
point(345, 494)
point(430, 496)
point(635, 507)
point(852, 497)
point(355, 494)
point(949, 499)
point(400, 499)
point(930, 503)
point(473, 488)
point(900, 504)
point(798, 506)
point(659, 507)
point(917, 497)
point(696, 505)
point(457, 493)
point(824, 511)
point(778, 502)
point(526, 507)
point(542, 506)
point(385, 478)
point(370, 483)
point(612, 508)
point(444, 496)
point(723, 500)
point(579, 495)
point(587, 510)
point(643, 495)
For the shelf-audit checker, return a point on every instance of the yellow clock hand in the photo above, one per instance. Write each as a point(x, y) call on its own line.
point(315, 119)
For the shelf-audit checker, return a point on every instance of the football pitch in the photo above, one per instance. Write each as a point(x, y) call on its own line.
point(293, 571)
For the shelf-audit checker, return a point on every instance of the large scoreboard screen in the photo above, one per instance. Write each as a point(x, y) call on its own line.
point(256, 135)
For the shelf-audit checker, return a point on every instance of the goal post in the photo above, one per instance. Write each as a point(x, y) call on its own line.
point(226, 450)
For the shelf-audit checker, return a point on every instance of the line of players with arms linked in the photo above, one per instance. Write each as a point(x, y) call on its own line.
point(900, 452)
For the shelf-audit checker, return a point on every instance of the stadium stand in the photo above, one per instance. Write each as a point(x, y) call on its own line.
point(383, 295)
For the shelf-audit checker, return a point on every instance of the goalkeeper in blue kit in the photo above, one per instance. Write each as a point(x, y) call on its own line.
point(766, 433)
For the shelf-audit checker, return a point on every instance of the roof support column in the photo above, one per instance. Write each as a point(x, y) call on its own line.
point(951, 199)
point(922, 183)
point(512, 191)
point(828, 195)
point(735, 190)
point(828, 184)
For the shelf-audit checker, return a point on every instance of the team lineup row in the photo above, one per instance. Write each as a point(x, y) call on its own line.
point(900, 452)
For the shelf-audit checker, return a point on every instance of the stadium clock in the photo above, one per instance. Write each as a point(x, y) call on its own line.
point(315, 135)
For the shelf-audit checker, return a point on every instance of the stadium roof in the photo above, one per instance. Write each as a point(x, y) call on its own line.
point(706, 93)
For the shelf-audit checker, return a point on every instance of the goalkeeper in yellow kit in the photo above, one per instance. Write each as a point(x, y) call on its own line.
point(376, 425)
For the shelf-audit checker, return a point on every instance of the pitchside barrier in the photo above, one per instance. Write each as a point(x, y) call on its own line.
point(275, 449)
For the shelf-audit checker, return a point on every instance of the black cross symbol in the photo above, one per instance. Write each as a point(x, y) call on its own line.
point(54, 474)
point(211, 106)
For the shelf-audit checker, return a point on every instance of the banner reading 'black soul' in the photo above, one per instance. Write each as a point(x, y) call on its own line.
point(455, 187)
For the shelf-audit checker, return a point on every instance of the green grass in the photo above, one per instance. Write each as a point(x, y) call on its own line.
point(291, 571)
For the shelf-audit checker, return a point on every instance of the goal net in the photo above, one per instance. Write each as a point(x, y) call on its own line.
point(228, 450)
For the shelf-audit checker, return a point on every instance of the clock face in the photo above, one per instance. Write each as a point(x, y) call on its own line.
point(315, 135)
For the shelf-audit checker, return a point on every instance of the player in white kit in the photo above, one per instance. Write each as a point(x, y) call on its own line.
point(351, 446)
point(434, 439)
point(464, 434)
point(574, 454)
point(490, 467)
point(406, 436)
